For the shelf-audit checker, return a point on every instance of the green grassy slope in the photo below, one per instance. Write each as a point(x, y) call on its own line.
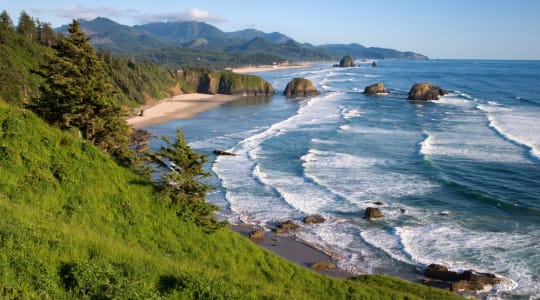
point(76, 225)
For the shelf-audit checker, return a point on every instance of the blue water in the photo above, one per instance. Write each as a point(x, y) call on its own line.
point(475, 153)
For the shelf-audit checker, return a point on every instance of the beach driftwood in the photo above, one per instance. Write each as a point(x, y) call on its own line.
point(326, 265)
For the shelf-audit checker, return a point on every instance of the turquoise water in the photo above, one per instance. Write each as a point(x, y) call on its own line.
point(475, 153)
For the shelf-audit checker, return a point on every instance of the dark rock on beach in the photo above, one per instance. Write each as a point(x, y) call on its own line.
point(425, 91)
point(465, 282)
point(375, 89)
point(221, 152)
point(373, 213)
point(256, 234)
point(286, 226)
point(300, 87)
point(314, 219)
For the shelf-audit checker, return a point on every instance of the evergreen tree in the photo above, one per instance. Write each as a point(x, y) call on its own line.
point(78, 93)
point(45, 34)
point(27, 27)
point(182, 170)
point(5, 20)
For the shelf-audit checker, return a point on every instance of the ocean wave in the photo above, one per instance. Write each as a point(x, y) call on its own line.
point(362, 180)
point(518, 125)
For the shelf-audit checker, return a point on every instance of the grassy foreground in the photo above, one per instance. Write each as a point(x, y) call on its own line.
point(76, 225)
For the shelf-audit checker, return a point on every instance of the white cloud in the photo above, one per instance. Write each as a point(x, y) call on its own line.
point(89, 13)
point(193, 14)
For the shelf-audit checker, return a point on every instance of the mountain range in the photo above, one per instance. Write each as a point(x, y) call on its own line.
point(202, 37)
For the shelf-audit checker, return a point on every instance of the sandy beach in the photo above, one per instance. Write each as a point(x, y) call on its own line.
point(177, 107)
point(255, 69)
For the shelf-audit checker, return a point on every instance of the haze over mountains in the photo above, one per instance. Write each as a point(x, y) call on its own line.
point(200, 36)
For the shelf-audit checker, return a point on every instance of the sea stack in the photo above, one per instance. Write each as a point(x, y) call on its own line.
point(425, 91)
point(346, 62)
point(375, 89)
point(300, 87)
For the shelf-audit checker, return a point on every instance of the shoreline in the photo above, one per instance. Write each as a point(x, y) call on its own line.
point(185, 106)
point(267, 68)
point(182, 106)
point(293, 250)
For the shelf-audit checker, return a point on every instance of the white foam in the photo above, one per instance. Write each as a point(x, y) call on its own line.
point(250, 190)
point(350, 113)
point(517, 124)
point(456, 246)
point(455, 100)
point(362, 179)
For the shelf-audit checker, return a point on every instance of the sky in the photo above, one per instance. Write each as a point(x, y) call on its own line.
point(445, 29)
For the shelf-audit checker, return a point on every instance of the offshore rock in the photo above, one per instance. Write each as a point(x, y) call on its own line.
point(346, 62)
point(375, 89)
point(425, 91)
point(373, 213)
point(300, 87)
point(314, 219)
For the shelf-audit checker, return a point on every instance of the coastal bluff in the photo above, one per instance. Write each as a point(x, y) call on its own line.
point(300, 87)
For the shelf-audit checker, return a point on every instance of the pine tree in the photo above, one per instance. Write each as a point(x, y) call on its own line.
point(182, 170)
point(78, 93)
point(45, 34)
point(27, 27)
point(5, 20)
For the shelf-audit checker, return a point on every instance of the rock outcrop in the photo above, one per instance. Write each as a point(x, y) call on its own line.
point(314, 219)
point(346, 62)
point(425, 91)
point(373, 213)
point(375, 89)
point(468, 281)
point(229, 83)
point(286, 226)
point(300, 87)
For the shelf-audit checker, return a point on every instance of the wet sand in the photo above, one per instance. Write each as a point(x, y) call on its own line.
point(295, 251)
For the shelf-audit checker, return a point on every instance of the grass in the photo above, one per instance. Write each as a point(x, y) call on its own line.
point(75, 225)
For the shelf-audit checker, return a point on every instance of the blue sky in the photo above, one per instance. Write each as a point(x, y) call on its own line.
point(478, 29)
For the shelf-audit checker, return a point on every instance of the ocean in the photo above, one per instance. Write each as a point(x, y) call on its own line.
point(474, 154)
